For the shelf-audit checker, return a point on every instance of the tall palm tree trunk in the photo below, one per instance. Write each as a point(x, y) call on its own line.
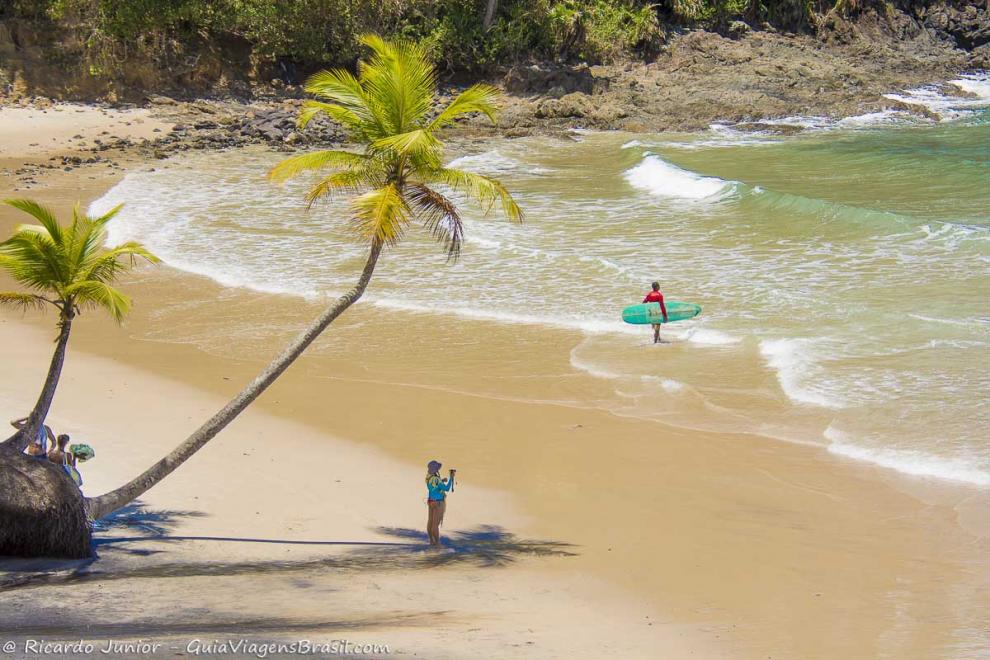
point(103, 505)
point(36, 419)
point(489, 14)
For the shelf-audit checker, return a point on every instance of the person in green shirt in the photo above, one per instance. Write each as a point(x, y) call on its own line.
point(436, 499)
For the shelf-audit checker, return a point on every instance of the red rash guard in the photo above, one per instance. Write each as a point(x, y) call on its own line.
point(656, 297)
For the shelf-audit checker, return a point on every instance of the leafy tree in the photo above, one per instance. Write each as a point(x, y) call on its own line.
point(63, 266)
point(388, 110)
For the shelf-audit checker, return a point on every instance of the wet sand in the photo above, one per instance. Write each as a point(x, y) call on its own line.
point(683, 542)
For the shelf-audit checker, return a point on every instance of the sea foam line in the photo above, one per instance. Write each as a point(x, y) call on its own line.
point(792, 359)
point(947, 106)
point(907, 461)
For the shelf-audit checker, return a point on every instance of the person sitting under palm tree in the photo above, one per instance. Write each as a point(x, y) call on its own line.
point(59, 454)
point(38, 446)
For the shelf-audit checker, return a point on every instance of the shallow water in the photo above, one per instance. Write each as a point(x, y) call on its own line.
point(844, 272)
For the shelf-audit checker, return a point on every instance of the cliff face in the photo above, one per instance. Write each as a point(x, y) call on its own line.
point(36, 60)
point(742, 72)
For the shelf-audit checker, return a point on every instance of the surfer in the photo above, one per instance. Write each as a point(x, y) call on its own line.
point(655, 296)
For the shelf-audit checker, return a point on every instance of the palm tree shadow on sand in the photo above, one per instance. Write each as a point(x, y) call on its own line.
point(121, 557)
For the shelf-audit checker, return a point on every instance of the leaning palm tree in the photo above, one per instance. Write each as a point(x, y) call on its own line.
point(64, 267)
point(387, 110)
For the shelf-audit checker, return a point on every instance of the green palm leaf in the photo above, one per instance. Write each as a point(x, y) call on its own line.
point(387, 108)
point(484, 190)
point(317, 160)
point(100, 295)
point(22, 301)
point(42, 214)
point(66, 264)
point(439, 216)
point(380, 215)
point(340, 183)
point(477, 98)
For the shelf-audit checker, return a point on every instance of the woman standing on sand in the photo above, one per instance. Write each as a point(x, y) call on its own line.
point(436, 500)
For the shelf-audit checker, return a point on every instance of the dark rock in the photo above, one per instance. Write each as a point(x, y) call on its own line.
point(535, 79)
point(968, 27)
point(737, 29)
point(42, 510)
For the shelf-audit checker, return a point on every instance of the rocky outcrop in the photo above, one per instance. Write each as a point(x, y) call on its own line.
point(965, 24)
point(552, 80)
point(42, 510)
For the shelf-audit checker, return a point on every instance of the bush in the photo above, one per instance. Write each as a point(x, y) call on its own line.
point(321, 33)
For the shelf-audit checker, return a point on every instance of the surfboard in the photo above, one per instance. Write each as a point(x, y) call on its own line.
point(650, 312)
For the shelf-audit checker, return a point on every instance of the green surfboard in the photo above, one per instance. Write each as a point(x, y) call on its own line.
point(650, 312)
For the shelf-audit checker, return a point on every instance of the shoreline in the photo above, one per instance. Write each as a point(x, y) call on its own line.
point(739, 545)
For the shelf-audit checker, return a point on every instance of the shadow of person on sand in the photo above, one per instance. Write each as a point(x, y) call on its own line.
point(121, 557)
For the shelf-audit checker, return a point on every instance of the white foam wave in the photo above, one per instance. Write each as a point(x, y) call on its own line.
point(495, 163)
point(955, 343)
point(977, 84)
point(710, 337)
point(589, 368)
point(959, 322)
point(950, 106)
point(668, 384)
point(662, 179)
point(869, 119)
point(793, 361)
point(585, 325)
point(908, 461)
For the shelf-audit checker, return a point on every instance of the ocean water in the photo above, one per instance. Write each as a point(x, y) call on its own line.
point(844, 272)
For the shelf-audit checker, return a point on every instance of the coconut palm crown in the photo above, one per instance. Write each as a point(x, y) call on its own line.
point(64, 266)
point(388, 109)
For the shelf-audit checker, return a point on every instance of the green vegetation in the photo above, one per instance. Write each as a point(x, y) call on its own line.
point(64, 266)
point(388, 110)
point(317, 33)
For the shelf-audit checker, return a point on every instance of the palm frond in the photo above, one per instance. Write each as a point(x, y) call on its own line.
point(105, 266)
point(295, 165)
point(400, 77)
point(33, 259)
point(387, 108)
point(339, 183)
point(22, 301)
point(65, 264)
point(418, 142)
point(92, 293)
point(485, 190)
point(439, 216)
point(477, 98)
point(336, 85)
point(41, 213)
point(106, 217)
point(380, 215)
point(341, 88)
point(338, 113)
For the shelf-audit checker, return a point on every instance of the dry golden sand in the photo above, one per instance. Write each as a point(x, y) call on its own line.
point(685, 543)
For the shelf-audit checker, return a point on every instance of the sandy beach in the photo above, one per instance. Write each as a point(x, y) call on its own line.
point(575, 532)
